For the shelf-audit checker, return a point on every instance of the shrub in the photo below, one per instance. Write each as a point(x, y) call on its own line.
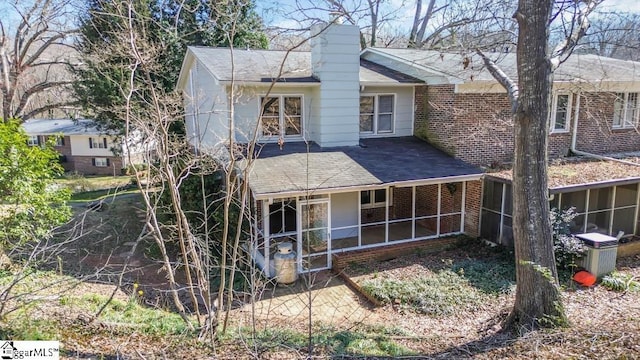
point(620, 282)
point(566, 246)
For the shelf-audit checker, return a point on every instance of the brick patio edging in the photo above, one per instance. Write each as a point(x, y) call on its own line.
point(340, 261)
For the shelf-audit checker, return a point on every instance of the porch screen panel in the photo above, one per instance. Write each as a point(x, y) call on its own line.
point(577, 200)
point(450, 224)
point(623, 220)
point(426, 224)
point(344, 220)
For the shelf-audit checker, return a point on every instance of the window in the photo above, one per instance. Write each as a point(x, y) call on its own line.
point(282, 217)
point(561, 113)
point(100, 162)
point(98, 143)
point(33, 140)
point(281, 116)
point(373, 198)
point(377, 114)
point(59, 140)
point(625, 110)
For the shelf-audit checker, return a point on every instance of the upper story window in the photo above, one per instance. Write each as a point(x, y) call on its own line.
point(377, 114)
point(98, 143)
point(625, 110)
point(33, 140)
point(281, 116)
point(59, 140)
point(561, 113)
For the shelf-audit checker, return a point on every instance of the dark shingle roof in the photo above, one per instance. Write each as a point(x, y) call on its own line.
point(376, 161)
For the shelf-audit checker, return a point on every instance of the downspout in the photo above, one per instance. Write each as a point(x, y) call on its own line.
point(574, 137)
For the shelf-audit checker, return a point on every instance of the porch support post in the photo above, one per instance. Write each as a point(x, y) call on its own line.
point(463, 205)
point(439, 209)
point(413, 212)
point(359, 221)
point(267, 237)
point(635, 223)
point(386, 215)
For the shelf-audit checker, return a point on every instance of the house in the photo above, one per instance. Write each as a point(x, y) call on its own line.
point(82, 146)
point(340, 163)
point(594, 114)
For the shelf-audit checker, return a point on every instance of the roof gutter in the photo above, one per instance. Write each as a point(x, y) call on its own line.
point(574, 137)
point(342, 189)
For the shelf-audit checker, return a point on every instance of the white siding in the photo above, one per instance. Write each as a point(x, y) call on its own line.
point(336, 62)
point(403, 110)
point(80, 146)
point(247, 110)
point(207, 100)
point(344, 212)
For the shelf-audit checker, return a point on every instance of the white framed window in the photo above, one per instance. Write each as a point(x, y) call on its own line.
point(561, 113)
point(281, 116)
point(377, 113)
point(100, 162)
point(374, 198)
point(59, 140)
point(98, 143)
point(625, 110)
point(33, 140)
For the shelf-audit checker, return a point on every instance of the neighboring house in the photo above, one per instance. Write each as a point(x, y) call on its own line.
point(82, 146)
point(365, 179)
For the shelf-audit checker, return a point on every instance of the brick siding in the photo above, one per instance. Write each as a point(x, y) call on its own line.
point(478, 128)
point(342, 260)
point(84, 165)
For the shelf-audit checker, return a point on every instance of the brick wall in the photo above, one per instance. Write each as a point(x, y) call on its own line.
point(84, 165)
point(477, 128)
point(65, 151)
point(472, 208)
point(341, 260)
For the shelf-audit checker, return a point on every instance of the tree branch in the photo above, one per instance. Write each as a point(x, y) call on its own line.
point(504, 80)
point(580, 25)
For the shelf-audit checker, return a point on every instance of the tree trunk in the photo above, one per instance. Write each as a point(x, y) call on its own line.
point(537, 300)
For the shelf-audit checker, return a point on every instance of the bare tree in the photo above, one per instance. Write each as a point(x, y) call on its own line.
point(538, 301)
point(614, 35)
point(35, 52)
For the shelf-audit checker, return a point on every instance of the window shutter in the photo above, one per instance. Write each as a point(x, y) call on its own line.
point(62, 140)
point(104, 140)
point(38, 137)
point(93, 161)
point(108, 163)
point(90, 143)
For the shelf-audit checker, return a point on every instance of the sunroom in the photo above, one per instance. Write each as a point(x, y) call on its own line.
point(344, 199)
point(603, 203)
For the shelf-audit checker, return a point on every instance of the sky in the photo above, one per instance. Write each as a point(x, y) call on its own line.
point(274, 12)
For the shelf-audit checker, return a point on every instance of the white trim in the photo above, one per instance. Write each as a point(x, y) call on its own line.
point(624, 124)
point(281, 117)
point(376, 114)
point(342, 189)
point(554, 111)
point(373, 204)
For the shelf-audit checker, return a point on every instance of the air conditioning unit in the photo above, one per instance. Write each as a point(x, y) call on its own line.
point(602, 251)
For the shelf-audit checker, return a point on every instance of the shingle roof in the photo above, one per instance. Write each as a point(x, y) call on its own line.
point(264, 66)
point(376, 161)
point(61, 126)
point(470, 67)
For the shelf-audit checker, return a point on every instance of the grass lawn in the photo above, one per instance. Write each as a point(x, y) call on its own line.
point(91, 188)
